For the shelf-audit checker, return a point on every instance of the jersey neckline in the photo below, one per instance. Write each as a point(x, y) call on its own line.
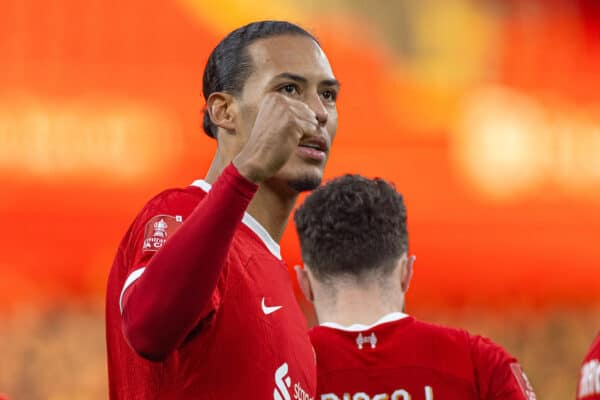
point(250, 222)
point(394, 316)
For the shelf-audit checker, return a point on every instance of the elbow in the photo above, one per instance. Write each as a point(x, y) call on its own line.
point(153, 356)
point(146, 341)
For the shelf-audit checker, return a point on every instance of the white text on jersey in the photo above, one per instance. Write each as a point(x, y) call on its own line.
point(399, 394)
point(589, 383)
point(282, 384)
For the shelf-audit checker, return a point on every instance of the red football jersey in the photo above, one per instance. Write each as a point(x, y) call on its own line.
point(252, 344)
point(400, 358)
point(589, 378)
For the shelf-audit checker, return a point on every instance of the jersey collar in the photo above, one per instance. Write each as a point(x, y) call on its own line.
point(251, 223)
point(395, 316)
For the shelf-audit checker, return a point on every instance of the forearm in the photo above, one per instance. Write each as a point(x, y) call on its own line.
point(167, 301)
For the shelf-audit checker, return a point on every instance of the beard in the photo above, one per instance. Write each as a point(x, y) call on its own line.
point(305, 184)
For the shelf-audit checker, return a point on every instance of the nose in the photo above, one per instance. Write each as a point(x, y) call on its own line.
point(318, 108)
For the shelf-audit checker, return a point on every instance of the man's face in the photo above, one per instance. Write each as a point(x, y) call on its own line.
point(295, 66)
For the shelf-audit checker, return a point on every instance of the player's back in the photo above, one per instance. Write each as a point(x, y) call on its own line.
point(589, 377)
point(402, 358)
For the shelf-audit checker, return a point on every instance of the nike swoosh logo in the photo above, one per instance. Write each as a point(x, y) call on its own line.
point(268, 310)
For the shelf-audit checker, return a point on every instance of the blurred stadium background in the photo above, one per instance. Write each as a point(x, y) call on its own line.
point(485, 113)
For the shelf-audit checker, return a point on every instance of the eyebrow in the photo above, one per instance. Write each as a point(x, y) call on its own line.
point(303, 80)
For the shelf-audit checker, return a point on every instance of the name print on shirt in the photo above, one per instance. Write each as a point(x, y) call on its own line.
point(399, 394)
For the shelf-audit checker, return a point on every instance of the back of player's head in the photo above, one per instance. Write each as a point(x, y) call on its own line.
point(352, 227)
point(229, 64)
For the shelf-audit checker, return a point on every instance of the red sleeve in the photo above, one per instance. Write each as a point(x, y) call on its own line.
point(499, 375)
point(171, 295)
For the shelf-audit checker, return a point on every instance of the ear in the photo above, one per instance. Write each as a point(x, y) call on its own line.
point(406, 273)
point(221, 109)
point(303, 277)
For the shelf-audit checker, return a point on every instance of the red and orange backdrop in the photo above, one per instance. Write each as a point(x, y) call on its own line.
point(485, 114)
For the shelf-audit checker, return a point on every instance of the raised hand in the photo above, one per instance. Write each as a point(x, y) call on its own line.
point(280, 124)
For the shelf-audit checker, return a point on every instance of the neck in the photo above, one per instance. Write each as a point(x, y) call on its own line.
point(271, 205)
point(347, 305)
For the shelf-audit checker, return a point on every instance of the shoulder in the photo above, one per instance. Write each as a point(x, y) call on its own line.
point(444, 348)
point(475, 345)
point(410, 343)
point(174, 200)
point(499, 374)
point(171, 206)
point(441, 335)
point(484, 350)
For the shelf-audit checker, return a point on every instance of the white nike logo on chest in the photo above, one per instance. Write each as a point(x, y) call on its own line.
point(268, 310)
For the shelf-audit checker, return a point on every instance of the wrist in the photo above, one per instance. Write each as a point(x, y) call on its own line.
point(248, 170)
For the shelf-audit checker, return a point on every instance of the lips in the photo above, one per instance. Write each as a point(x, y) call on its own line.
point(316, 143)
point(313, 150)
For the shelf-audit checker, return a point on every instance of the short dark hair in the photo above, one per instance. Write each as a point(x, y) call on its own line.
point(229, 64)
point(352, 226)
